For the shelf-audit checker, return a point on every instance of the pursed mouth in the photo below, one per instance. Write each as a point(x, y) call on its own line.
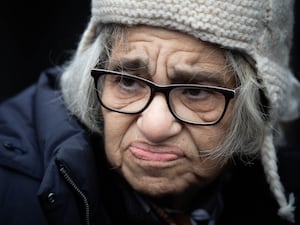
point(148, 152)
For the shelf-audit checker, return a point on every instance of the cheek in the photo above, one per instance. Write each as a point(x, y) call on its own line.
point(112, 139)
point(207, 138)
point(116, 127)
point(210, 137)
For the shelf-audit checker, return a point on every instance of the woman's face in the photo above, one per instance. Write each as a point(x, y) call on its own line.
point(156, 153)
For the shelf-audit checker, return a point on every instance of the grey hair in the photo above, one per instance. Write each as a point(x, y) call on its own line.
point(77, 85)
point(246, 133)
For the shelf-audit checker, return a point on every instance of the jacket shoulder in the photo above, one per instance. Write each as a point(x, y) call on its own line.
point(20, 117)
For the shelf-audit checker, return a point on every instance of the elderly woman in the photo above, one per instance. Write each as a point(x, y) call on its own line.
point(168, 113)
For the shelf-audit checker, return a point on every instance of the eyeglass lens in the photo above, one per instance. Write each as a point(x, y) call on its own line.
point(126, 94)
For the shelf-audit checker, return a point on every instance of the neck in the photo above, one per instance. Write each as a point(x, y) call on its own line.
point(191, 199)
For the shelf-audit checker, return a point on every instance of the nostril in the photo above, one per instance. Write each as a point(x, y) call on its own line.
point(158, 128)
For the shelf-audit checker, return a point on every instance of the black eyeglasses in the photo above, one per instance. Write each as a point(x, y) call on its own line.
point(190, 103)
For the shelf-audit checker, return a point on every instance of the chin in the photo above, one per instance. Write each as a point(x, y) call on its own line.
point(159, 189)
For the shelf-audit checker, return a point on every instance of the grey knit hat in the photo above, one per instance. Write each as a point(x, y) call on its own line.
point(261, 29)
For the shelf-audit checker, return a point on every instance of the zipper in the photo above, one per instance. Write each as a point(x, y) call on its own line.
point(84, 199)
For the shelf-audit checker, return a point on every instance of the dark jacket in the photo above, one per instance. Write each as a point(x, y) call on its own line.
point(52, 171)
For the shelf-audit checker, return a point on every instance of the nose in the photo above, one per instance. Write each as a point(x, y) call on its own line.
point(156, 122)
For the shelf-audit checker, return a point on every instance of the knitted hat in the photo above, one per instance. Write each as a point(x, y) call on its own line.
point(261, 29)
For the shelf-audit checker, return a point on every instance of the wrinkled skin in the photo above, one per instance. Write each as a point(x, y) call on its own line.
point(157, 154)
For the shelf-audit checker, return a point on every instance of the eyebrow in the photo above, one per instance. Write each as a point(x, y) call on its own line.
point(198, 75)
point(130, 65)
point(190, 75)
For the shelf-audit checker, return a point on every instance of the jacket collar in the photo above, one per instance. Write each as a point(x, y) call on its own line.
point(65, 146)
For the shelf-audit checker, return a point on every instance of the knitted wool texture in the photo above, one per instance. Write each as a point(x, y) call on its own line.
point(261, 29)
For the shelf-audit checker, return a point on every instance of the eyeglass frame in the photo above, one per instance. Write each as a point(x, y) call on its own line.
point(228, 93)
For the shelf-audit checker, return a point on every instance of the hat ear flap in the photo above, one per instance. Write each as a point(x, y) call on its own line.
point(269, 162)
point(87, 37)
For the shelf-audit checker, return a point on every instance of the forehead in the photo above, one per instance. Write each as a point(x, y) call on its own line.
point(171, 40)
point(157, 49)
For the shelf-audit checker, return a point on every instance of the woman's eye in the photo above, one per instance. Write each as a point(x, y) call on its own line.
point(128, 84)
point(196, 93)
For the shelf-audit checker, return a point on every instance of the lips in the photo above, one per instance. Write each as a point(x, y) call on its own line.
point(155, 153)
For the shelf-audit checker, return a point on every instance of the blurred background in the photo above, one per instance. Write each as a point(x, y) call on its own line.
point(38, 34)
